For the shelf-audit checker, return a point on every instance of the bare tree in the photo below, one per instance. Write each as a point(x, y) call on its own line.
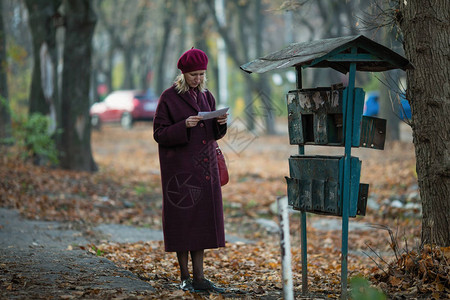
point(130, 46)
point(123, 29)
point(5, 116)
point(75, 145)
point(268, 112)
point(244, 35)
point(103, 54)
point(169, 12)
point(426, 39)
point(43, 17)
point(247, 30)
point(389, 89)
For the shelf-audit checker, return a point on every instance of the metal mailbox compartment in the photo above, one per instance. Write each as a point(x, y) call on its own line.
point(315, 185)
point(373, 133)
point(316, 116)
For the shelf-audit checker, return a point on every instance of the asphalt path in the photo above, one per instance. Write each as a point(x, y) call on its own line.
point(46, 260)
point(42, 260)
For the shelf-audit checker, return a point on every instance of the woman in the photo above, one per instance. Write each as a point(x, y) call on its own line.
point(192, 196)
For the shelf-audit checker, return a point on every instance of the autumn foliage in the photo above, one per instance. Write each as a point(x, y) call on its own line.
point(384, 247)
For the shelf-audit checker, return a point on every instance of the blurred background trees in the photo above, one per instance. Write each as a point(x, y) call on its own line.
point(62, 56)
point(5, 117)
point(136, 45)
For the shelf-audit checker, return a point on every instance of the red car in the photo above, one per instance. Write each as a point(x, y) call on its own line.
point(124, 106)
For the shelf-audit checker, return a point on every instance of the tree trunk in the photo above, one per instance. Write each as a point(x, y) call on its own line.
point(201, 30)
point(233, 51)
point(332, 27)
point(263, 83)
point(131, 49)
point(249, 109)
point(169, 13)
point(5, 116)
point(109, 70)
point(387, 106)
point(75, 149)
point(425, 27)
point(128, 82)
point(41, 23)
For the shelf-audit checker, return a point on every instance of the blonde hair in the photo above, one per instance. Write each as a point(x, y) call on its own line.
point(181, 85)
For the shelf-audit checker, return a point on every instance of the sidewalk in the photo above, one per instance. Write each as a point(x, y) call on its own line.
point(36, 262)
point(42, 260)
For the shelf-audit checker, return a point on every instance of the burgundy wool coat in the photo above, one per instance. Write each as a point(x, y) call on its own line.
point(192, 197)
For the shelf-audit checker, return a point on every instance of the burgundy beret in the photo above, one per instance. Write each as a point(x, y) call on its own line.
point(192, 60)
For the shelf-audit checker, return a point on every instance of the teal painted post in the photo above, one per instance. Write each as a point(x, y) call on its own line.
point(347, 169)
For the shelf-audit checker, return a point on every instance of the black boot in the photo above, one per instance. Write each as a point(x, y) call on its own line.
point(206, 285)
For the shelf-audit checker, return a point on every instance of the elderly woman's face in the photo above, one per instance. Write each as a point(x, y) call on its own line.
point(194, 78)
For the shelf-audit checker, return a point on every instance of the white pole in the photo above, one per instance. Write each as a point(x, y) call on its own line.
point(285, 244)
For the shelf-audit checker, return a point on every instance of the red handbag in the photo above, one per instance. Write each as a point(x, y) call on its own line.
point(221, 164)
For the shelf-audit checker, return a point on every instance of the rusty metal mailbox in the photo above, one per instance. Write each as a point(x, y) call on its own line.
point(316, 117)
point(316, 185)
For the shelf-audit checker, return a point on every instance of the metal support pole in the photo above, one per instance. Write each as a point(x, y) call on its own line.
point(347, 169)
point(303, 238)
point(304, 242)
point(298, 70)
point(285, 244)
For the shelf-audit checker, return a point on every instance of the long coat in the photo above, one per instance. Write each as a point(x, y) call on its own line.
point(192, 197)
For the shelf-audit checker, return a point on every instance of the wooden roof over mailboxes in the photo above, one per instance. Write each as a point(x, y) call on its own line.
point(332, 53)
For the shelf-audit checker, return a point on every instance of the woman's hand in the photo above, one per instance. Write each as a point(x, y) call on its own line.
point(192, 121)
point(222, 120)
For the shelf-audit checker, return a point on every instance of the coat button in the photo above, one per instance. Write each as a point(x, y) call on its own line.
point(205, 159)
point(204, 142)
point(202, 125)
point(207, 177)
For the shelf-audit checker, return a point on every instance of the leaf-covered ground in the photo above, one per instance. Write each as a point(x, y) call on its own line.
point(127, 190)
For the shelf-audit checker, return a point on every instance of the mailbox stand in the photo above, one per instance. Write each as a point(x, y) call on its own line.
point(330, 185)
point(348, 151)
point(303, 235)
